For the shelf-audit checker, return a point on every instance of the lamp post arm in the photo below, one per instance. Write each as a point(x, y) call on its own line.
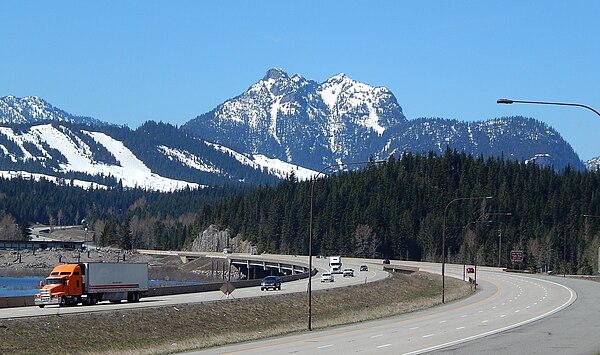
point(509, 101)
point(444, 238)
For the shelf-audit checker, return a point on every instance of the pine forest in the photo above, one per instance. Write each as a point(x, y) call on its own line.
point(403, 208)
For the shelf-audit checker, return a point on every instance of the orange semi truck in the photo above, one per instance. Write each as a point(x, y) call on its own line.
point(89, 283)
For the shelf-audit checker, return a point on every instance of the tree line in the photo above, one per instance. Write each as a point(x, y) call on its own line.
point(397, 210)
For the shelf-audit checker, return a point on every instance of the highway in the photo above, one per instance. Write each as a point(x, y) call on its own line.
point(506, 301)
point(512, 313)
point(373, 274)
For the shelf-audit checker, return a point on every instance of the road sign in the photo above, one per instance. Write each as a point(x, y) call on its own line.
point(516, 256)
point(227, 289)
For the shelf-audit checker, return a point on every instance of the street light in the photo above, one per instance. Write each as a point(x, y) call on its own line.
point(310, 229)
point(509, 102)
point(500, 233)
point(444, 238)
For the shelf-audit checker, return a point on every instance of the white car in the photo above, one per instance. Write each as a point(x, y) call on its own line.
point(327, 277)
point(348, 272)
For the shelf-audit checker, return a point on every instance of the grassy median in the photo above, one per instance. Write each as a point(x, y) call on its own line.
point(165, 329)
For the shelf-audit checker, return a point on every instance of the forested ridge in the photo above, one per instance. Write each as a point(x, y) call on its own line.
point(127, 218)
point(396, 210)
point(389, 210)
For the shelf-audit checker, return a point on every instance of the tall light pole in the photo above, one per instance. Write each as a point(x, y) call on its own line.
point(444, 239)
point(310, 229)
point(500, 232)
point(509, 102)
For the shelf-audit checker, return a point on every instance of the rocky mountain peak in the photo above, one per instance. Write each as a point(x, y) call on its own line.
point(275, 74)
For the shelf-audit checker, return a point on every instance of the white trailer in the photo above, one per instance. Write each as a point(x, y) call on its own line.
point(335, 264)
point(116, 281)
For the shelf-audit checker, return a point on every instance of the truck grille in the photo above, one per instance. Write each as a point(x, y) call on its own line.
point(45, 295)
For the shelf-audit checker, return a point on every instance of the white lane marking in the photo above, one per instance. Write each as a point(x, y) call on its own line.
point(376, 336)
point(463, 316)
point(427, 336)
point(502, 316)
point(384, 346)
point(572, 298)
point(459, 328)
point(484, 321)
point(413, 328)
point(325, 346)
point(442, 321)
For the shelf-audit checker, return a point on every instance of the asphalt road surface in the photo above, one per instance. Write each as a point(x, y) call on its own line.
point(512, 314)
point(574, 330)
point(506, 302)
point(373, 274)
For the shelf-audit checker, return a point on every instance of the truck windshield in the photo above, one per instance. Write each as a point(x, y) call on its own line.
point(53, 281)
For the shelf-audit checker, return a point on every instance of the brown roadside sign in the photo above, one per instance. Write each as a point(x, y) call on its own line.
point(516, 256)
point(227, 288)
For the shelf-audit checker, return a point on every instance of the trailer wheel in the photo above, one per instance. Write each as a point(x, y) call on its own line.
point(42, 305)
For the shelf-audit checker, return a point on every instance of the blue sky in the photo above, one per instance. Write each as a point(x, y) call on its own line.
point(127, 62)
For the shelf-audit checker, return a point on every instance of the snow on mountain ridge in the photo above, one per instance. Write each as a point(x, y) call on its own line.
point(188, 159)
point(279, 168)
point(298, 120)
point(131, 171)
point(593, 164)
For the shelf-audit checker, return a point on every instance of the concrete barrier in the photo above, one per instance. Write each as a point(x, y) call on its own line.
point(400, 268)
point(16, 301)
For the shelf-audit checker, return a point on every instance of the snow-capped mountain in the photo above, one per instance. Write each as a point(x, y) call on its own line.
point(515, 138)
point(32, 109)
point(282, 126)
point(314, 124)
point(301, 121)
point(155, 157)
point(593, 164)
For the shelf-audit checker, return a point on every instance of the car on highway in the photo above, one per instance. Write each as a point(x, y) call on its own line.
point(348, 272)
point(327, 277)
point(470, 270)
point(273, 282)
point(364, 268)
point(227, 250)
point(386, 261)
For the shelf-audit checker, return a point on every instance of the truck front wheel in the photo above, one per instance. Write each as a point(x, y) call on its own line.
point(63, 302)
point(42, 306)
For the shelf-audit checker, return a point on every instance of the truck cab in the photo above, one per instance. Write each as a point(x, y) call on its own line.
point(335, 264)
point(64, 286)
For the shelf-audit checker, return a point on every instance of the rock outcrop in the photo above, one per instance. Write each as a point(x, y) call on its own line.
point(214, 239)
